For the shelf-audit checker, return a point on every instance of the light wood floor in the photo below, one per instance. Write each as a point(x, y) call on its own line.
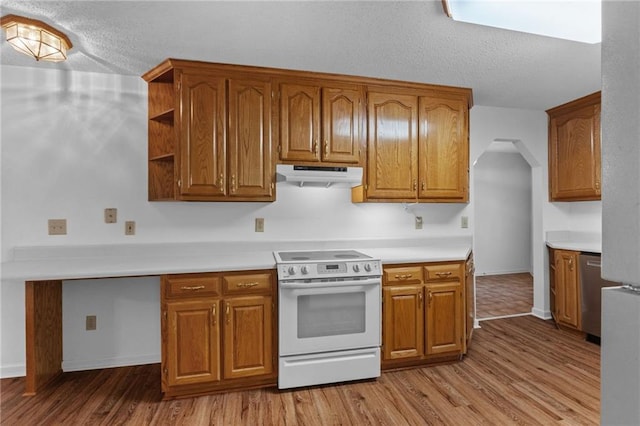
point(502, 295)
point(518, 370)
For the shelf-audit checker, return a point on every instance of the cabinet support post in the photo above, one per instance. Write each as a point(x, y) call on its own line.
point(43, 318)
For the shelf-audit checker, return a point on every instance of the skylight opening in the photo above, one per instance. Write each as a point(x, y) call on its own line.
point(576, 20)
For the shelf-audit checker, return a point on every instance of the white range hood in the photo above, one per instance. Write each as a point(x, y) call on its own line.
point(319, 175)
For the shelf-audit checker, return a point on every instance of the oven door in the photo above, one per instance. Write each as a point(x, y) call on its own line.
point(329, 316)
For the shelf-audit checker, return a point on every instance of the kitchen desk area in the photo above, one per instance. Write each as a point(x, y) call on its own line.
point(43, 269)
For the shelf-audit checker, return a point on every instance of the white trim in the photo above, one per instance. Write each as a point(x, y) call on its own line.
point(97, 364)
point(545, 315)
point(524, 314)
point(15, 370)
point(485, 274)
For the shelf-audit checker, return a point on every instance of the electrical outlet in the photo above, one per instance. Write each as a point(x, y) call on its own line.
point(110, 215)
point(57, 226)
point(91, 322)
point(130, 227)
point(464, 222)
point(418, 222)
point(259, 224)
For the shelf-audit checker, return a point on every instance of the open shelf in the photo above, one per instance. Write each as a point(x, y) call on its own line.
point(164, 117)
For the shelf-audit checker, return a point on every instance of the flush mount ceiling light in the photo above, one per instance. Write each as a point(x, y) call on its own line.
point(576, 20)
point(35, 38)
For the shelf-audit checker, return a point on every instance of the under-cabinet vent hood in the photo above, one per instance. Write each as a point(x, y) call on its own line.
point(319, 175)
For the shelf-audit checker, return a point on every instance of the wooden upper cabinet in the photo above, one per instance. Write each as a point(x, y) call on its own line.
point(299, 122)
point(249, 139)
point(320, 124)
point(202, 135)
point(443, 166)
point(574, 150)
point(393, 146)
point(341, 112)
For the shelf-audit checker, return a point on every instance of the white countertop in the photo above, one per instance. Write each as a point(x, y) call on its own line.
point(126, 260)
point(577, 241)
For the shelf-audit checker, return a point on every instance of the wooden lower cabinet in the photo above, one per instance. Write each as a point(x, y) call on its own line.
point(217, 332)
point(444, 318)
point(424, 314)
point(403, 321)
point(565, 288)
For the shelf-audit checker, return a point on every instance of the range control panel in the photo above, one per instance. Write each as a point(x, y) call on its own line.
point(365, 268)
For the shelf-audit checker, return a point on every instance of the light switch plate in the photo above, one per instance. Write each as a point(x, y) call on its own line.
point(130, 227)
point(464, 222)
point(418, 222)
point(259, 224)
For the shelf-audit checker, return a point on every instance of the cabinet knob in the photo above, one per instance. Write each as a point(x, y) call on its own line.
point(221, 182)
point(227, 312)
point(326, 149)
point(423, 186)
point(213, 314)
point(415, 184)
point(233, 183)
point(192, 287)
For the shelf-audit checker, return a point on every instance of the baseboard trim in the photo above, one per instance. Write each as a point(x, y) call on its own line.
point(483, 274)
point(545, 315)
point(16, 370)
point(97, 364)
point(524, 314)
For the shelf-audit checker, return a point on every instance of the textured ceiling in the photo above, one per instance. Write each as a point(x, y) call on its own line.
point(410, 41)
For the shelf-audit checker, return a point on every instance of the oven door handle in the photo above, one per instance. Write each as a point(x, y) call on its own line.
point(326, 284)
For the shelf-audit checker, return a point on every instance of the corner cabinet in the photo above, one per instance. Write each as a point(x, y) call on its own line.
point(418, 148)
point(209, 134)
point(320, 123)
point(217, 332)
point(423, 313)
point(574, 150)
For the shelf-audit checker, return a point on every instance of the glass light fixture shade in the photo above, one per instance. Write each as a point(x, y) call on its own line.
point(35, 38)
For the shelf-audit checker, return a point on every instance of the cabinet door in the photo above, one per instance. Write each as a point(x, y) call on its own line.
point(444, 318)
point(249, 140)
point(470, 299)
point(299, 122)
point(393, 146)
point(193, 342)
point(341, 117)
point(567, 288)
point(403, 322)
point(444, 149)
point(202, 142)
point(248, 336)
point(574, 155)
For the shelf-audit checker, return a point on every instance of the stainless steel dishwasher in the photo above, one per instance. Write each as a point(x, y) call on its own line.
point(591, 284)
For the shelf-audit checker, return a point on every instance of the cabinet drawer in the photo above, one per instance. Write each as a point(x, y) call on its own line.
point(247, 283)
point(403, 275)
point(447, 271)
point(192, 285)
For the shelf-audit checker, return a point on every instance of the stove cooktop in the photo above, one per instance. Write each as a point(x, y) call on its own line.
point(319, 255)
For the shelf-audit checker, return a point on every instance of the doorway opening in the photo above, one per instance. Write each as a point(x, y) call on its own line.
point(503, 232)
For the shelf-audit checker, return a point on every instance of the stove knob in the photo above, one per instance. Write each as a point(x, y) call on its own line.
point(292, 270)
point(356, 268)
point(304, 270)
point(367, 267)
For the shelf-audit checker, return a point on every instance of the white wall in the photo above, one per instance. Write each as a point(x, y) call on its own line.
point(502, 231)
point(75, 143)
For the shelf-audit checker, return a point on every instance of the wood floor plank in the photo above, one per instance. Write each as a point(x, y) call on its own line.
point(519, 371)
point(503, 295)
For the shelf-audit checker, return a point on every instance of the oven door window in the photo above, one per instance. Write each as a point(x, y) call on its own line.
point(331, 314)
